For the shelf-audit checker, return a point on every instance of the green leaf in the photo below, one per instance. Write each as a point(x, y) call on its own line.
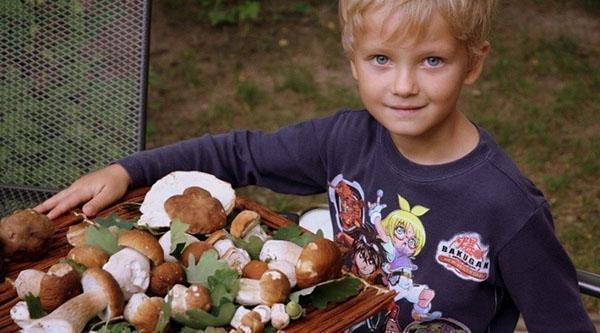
point(165, 316)
point(34, 305)
point(253, 245)
point(115, 327)
point(115, 220)
point(335, 291)
point(223, 286)
point(101, 237)
point(208, 264)
point(293, 233)
point(178, 237)
point(200, 319)
point(80, 268)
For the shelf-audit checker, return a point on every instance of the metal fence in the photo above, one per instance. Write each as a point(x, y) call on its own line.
point(73, 78)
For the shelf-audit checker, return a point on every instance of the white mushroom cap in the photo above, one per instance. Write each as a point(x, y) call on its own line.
point(19, 313)
point(223, 245)
point(28, 281)
point(152, 209)
point(131, 269)
point(165, 243)
point(280, 250)
point(279, 318)
point(287, 268)
point(237, 259)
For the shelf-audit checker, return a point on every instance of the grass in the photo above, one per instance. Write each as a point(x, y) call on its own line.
point(538, 96)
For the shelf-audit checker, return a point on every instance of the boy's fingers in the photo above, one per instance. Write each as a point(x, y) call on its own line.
point(101, 200)
point(68, 202)
point(51, 202)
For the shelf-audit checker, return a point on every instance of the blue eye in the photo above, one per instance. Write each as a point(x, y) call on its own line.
point(433, 61)
point(381, 59)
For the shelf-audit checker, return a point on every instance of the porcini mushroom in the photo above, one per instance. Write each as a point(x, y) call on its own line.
point(76, 234)
point(58, 285)
point(196, 250)
point(143, 312)
point(246, 224)
point(237, 258)
point(25, 234)
point(254, 269)
point(273, 287)
point(165, 244)
point(252, 323)
point(280, 250)
point(320, 260)
point(19, 313)
point(101, 293)
point(184, 299)
point(164, 276)
point(287, 268)
point(153, 210)
point(279, 318)
point(88, 255)
point(198, 209)
point(28, 282)
point(130, 266)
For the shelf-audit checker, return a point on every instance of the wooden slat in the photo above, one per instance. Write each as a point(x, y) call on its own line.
point(334, 318)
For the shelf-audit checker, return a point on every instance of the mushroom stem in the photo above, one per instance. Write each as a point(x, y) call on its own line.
point(72, 316)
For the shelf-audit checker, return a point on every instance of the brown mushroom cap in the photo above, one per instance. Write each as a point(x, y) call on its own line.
point(164, 276)
point(76, 234)
point(196, 249)
point(216, 236)
point(60, 284)
point(274, 287)
point(198, 209)
point(147, 314)
point(198, 297)
point(254, 269)
point(253, 321)
point(88, 255)
point(96, 279)
point(320, 260)
point(244, 222)
point(143, 242)
point(25, 234)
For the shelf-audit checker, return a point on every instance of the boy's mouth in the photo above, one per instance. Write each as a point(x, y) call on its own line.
point(405, 108)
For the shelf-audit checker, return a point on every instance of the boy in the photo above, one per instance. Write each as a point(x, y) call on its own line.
point(466, 236)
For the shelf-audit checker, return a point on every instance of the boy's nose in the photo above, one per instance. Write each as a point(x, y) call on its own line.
point(405, 84)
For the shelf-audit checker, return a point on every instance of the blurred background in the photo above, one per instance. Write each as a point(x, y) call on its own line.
point(221, 65)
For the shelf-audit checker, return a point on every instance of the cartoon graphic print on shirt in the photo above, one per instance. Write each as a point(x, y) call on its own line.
point(465, 255)
point(383, 248)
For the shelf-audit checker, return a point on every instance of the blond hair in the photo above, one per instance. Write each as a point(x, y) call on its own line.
point(469, 20)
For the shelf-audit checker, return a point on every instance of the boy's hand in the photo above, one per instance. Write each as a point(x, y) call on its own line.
point(99, 189)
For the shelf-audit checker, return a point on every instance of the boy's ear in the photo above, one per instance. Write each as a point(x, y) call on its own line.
point(353, 68)
point(477, 64)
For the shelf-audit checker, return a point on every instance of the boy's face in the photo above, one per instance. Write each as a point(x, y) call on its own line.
point(411, 86)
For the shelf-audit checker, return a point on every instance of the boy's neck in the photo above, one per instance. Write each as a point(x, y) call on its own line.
point(451, 140)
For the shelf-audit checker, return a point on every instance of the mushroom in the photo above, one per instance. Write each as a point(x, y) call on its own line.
point(264, 311)
point(58, 285)
point(237, 258)
point(184, 299)
point(223, 245)
point(131, 265)
point(101, 293)
point(236, 320)
point(216, 236)
point(19, 313)
point(320, 260)
point(246, 224)
point(25, 234)
point(280, 250)
point(28, 282)
point(165, 244)
point(279, 318)
point(287, 268)
point(255, 269)
point(153, 209)
point(198, 209)
point(88, 255)
point(143, 312)
point(131, 269)
point(252, 323)
point(196, 250)
point(164, 276)
point(273, 287)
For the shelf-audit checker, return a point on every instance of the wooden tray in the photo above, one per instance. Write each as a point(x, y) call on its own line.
point(335, 318)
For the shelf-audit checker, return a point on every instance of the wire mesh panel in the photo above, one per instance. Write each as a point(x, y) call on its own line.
point(72, 91)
